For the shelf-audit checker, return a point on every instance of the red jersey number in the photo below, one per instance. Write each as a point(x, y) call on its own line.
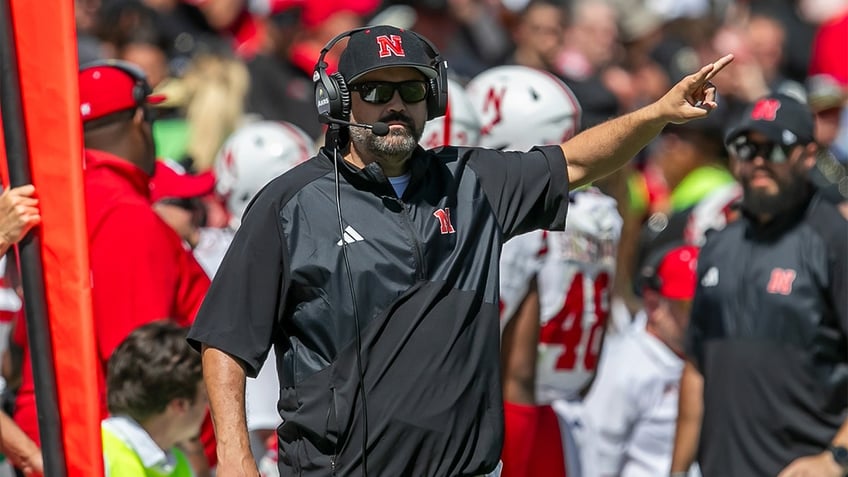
point(566, 328)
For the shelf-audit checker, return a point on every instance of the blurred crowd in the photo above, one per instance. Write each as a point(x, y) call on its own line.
point(223, 63)
point(236, 81)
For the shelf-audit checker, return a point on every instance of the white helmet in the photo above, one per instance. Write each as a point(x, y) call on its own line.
point(713, 212)
point(521, 107)
point(252, 156)
point(460, 125)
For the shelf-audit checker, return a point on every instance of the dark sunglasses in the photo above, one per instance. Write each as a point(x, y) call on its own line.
point(745, 150)
point(381, 92)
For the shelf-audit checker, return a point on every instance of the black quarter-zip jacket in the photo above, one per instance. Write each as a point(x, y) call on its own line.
point(424, 270)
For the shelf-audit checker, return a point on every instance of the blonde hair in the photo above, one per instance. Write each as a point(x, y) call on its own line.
point(218, 87)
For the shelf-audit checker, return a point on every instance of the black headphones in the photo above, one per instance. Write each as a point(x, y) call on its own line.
point(332, 96)
point(141, 88)
point(647, 274)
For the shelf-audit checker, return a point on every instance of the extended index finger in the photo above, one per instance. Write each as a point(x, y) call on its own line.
point(719, 65)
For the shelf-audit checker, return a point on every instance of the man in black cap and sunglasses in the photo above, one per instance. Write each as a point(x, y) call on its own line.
point(373, 271)
point(765, 387)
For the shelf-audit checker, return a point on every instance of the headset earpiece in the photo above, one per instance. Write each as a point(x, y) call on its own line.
point(141, 88)
point(326, 91)
point(343, 111)
point(437, 102)
point(340, 108)
point(648, 271)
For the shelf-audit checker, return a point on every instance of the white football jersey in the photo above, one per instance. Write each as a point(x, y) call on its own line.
point(521, 260)
point(574, 271)
point(211, 248)
point(261, 393)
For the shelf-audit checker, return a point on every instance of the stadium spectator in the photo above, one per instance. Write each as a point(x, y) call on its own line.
point(827, 101)
point(590, 48)
point(538, 37)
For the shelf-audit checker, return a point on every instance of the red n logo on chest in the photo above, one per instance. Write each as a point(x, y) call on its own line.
point(446, 227)
point(390, 45)
point(781, 281)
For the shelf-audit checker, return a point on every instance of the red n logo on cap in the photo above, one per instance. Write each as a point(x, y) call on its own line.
point(390, 45)
point(765, 110)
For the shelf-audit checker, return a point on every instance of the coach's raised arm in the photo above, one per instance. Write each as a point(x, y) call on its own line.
point(602, 149)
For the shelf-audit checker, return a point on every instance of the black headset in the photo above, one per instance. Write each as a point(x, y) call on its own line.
point(141, 88)
point(332, 96)
point(647, 274)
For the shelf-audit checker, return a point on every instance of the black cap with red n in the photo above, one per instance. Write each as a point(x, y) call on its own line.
point(384, 46)
point(781, 118)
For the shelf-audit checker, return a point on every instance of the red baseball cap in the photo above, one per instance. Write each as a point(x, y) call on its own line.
point(111, 86)
point(677, 273)
point(172, 181)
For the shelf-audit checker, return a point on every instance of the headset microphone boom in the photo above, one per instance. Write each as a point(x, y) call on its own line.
point(379, 128)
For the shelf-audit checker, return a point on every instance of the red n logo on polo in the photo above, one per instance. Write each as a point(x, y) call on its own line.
point(765, 110)
point(781, 281)
point(444, 221)
point(390, 45)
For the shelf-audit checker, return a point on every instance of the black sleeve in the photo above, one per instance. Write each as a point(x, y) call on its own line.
point(829, 222)
point(239, 313)
point(527, 190)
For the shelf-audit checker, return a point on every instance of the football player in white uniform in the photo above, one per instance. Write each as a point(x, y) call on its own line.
point(251, 157)
point(555, 286)
point(460, 125)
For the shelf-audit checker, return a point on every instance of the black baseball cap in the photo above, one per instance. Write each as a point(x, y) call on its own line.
point(384, 46)
point(781, 118)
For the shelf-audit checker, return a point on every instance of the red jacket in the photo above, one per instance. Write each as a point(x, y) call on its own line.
point(140, 270)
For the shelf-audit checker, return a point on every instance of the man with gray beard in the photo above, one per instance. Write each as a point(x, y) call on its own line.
point(764, 390)
point(372, 269)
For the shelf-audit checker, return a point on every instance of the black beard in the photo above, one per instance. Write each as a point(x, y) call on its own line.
point(790, 194)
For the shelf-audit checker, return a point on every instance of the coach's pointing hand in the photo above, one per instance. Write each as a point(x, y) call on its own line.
point(694, 96)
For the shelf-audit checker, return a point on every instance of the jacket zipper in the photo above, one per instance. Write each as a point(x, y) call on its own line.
point(419, 254)
point(331, 409)
point(743, 297)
